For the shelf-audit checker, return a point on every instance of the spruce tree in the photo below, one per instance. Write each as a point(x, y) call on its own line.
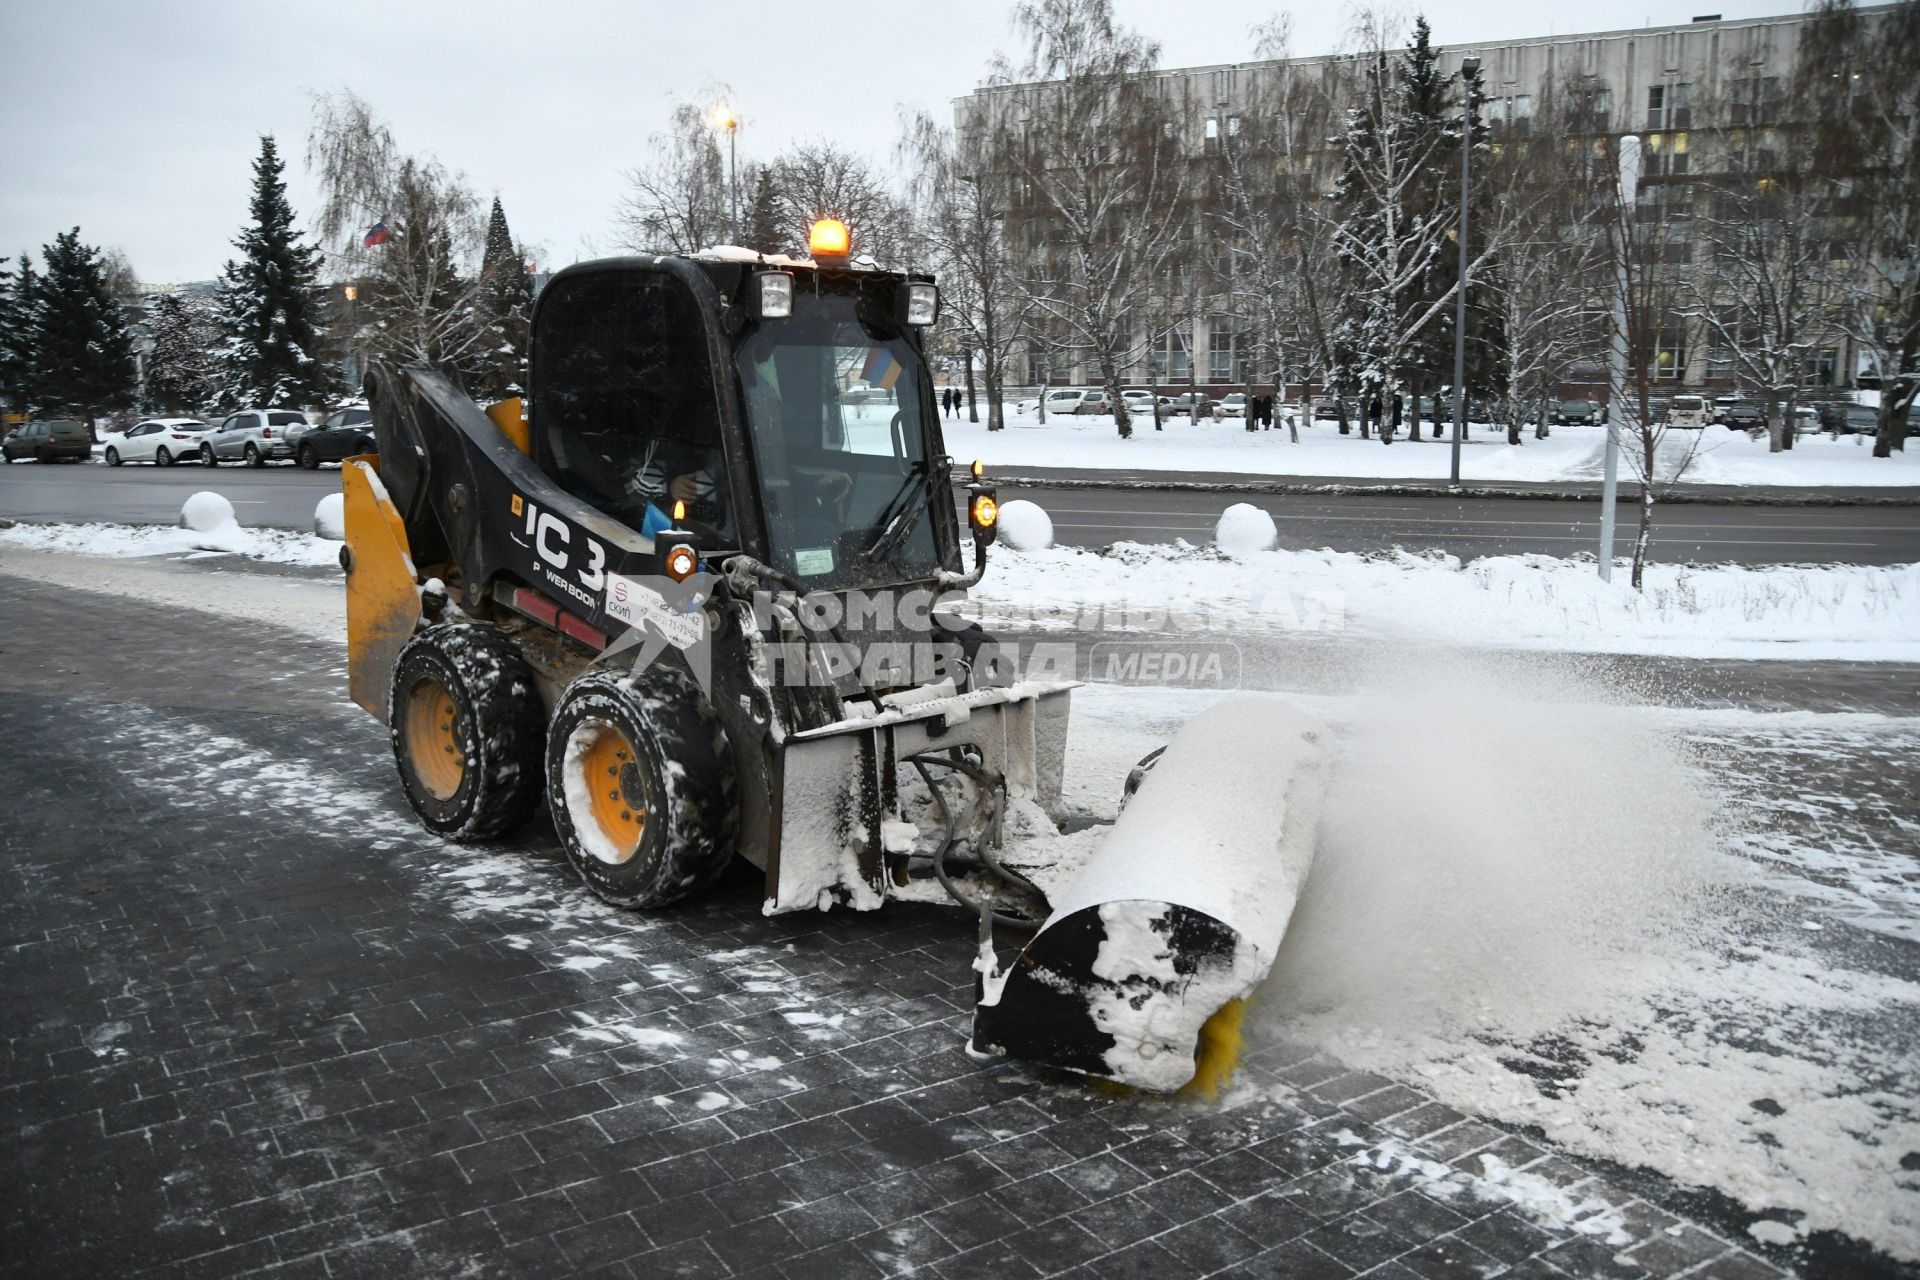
point(269, 303)
point(766, 226)
point(180, 371)
point(506, 301)
point(82, 354)
point(17, 300)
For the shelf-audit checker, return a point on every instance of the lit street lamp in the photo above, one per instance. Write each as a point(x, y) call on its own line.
point(1469, 67)
point(723, 118)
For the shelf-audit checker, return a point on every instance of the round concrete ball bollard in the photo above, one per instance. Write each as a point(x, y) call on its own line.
point(206, 511)
point(1245, 529)
point(330, 518)
point(1026, 526)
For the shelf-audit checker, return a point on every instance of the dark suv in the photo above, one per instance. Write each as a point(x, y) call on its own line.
point(1744, 415)
point(61, 439)
point(1583, 413)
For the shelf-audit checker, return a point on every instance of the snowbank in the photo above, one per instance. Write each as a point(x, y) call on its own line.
point(330, 518)
point(1509, 602)
point(122, 540)
point(1570, 454)
point(205, 512)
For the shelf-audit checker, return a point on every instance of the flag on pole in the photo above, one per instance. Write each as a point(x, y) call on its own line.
point(881, 370)
point(378, 235)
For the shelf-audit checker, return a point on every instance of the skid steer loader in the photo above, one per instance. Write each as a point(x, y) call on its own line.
point(701, 593)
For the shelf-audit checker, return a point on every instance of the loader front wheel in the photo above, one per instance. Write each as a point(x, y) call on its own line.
point(640, 783)
point(465, 719)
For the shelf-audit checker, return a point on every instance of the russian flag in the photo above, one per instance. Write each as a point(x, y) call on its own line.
point(378, 235)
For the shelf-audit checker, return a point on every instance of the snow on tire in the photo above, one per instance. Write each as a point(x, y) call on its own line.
point(466, 723)
point(641, 787)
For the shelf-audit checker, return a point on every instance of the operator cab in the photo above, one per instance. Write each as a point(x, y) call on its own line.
point(781, 405)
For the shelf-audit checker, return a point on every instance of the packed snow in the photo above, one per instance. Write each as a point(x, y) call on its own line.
point(330, 518)
point(1025, 526)
point(1720, 455)
point(1244, 529)
point(277, 546)
point(206, 512)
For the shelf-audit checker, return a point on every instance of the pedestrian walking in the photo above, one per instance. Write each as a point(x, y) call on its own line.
point(946, 402)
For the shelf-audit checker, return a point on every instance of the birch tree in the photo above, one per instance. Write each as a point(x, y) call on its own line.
point(1096, 168)
point(676, 200)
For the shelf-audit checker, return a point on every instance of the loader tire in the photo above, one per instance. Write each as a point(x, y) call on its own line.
point(641, 786)
point(466, 723)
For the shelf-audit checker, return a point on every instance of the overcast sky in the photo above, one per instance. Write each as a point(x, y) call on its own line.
point(137, 121)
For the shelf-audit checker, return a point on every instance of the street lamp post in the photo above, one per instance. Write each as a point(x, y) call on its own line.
point(727, 120)
point(1626, 192)
point(1469, 67)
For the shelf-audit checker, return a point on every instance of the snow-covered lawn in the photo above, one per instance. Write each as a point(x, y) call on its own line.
point(279, 546)
point(1499, 602)
point(1569, 454)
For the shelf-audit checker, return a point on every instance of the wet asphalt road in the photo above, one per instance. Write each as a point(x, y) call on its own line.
point(284, 496)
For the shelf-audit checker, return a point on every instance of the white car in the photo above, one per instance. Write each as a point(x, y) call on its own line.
point(161, 441)
point(1141, 401)
point(1232, 406)
point(1068, 401)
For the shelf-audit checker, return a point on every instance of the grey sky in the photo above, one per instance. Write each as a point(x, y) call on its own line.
point(137, 121)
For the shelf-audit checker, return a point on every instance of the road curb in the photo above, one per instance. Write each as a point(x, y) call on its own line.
point(1673, 497)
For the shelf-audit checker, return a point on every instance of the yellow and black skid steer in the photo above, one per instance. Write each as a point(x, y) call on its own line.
point(702, 591)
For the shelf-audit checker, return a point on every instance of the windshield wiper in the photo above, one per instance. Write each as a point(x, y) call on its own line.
point(894, 531)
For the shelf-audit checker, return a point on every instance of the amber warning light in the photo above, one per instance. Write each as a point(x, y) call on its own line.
point(829, 238)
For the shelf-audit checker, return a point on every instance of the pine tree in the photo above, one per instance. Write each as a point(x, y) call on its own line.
point(180, 370)
point(82, 354)
point(506, 301)
point(766, 225)
point(17, 300)
point(269, 329)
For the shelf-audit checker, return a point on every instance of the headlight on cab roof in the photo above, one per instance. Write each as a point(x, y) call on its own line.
point(773, 295)
point(922, 304)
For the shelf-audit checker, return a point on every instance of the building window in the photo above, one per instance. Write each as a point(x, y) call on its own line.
point(1670, 350)
point(1233, 126)
point(1173, 356)
point(1670, 106)
point(1224, 362)
point(1819, 367)
point(1211, 133)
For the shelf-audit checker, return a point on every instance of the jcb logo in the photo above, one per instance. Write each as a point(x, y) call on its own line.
point(552, 538)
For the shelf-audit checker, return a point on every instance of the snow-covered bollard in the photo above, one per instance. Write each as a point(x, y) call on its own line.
point(330, 518)
point(1245, 529)
point(1026, 526)
point(206, 511)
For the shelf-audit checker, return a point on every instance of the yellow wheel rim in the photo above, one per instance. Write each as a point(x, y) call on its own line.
point(433, 748)
point(610, 769)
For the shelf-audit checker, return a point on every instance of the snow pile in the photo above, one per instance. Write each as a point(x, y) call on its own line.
point(1517, 602)
point(1244, 529)
point(1025, 526)
point(207, 512)
point(330, 518)
point(1560, 937)
point(127, 540)
point(1720, 455)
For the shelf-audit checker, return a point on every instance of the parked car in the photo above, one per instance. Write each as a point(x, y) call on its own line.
point(1192, 404)
point(1847, 419)
point(1066, 400)
point(1141, 401)
point(1744, 415)
point(1233, 405)
point(344, 433)
point(161, 441)
point(1326, 409)
point(56, 440)
point(253, 436)
point(866, 393)
point(1720, 406)
point(1582, 413)
point(1688, 412)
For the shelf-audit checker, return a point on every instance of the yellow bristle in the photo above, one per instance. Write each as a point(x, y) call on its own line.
point(1218, 1052)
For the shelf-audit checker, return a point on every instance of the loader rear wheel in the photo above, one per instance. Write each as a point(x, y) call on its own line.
point(640, 783)
point(465, 719)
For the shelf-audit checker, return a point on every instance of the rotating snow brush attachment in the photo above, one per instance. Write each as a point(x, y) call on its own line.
point(1177, 917)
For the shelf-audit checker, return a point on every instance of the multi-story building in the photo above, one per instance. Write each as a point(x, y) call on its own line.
point(1654, 82)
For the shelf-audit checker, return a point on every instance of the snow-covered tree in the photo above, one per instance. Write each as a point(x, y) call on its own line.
point(270, 306)
point(506, 300)
point(766, 230)
point(676, 199)
point(1096, 169)
point(418, 283)
point(961, 201)
point(82, 353)
point(1855, 80)
point(18, 290)
point(180, 368)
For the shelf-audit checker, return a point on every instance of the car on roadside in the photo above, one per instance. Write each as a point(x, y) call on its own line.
point(51, 440)
point(1744, 415)
point(1065, 400)
point(1849, 419)
point(1685, 412)
point(1141, 401)
point(253, 436)
point(1233, 405)
point(340, 435)
point(1191, 404)
point(1577, 413)
point(1326, 409)
point(161, 441)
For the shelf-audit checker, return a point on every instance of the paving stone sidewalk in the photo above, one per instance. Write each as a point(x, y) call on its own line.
point(258, 1024)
